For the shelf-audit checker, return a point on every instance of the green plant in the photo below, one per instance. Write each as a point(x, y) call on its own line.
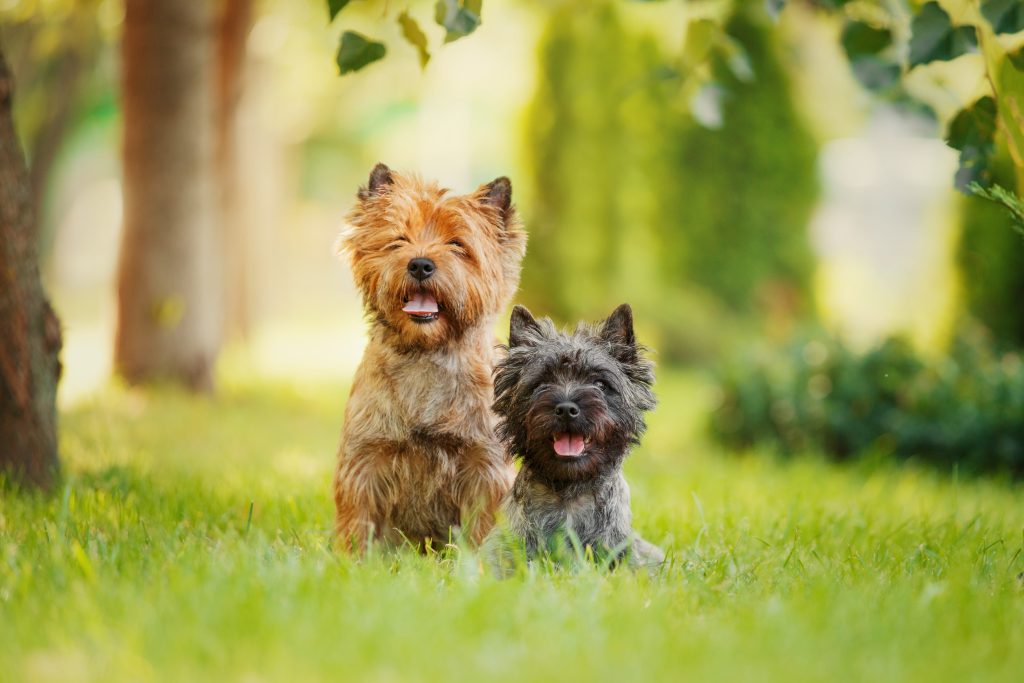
point(632, 199)
point(743, 188)
point(458, 18)
point(192, 541)
point(990, 257)
point(889, 42)
point(818, 394)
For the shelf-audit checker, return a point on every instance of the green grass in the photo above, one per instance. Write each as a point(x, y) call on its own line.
point(147, 566)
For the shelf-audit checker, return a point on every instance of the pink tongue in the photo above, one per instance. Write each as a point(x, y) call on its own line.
point(421, 304)
point(568, 444)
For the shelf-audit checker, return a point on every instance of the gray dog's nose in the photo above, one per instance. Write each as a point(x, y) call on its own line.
point(567, 409)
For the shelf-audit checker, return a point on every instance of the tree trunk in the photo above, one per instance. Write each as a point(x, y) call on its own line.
point(233, 30)
point(29, 330)
point(169, 302)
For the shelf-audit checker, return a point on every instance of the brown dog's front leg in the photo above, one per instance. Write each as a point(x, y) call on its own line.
point(485, 480)
point(356, 522)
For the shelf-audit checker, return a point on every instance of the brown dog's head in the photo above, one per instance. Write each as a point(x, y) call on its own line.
point(429, 264)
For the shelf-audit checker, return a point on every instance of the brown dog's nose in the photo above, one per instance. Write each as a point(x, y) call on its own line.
point(421, 268)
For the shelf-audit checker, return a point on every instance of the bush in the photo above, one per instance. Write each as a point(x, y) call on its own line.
point(742, 195)
point(819, 395)
point(700, 230)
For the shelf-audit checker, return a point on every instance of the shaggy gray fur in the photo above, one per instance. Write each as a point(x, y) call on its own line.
point(561, 506)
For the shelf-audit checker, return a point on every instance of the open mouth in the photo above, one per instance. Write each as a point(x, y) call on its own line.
point(569, 445)
point(421, 308)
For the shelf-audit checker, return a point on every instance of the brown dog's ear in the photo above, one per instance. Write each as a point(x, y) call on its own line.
point(497, 193)
point(380, 181)
point(618, 329)
point(522, 327)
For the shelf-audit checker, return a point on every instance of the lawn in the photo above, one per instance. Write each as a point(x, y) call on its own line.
point(191, 541)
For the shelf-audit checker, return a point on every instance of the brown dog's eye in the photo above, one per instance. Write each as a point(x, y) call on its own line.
point(398, 242)
point(460, 247)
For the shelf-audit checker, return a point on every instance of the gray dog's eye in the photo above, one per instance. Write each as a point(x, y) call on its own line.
point(600, 385)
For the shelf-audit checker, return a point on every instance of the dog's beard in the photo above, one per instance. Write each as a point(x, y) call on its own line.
point(574, 451)
point(421, 315)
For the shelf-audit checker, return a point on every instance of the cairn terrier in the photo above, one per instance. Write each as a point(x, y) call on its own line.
point(570, 407)
point(418, 455)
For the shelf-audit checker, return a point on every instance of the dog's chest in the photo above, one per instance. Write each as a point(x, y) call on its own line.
point(442, 395)
point(599, 517)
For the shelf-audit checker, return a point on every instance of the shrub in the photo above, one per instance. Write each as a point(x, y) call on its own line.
point(743, 194)
point(965, 409)
point(630, 200)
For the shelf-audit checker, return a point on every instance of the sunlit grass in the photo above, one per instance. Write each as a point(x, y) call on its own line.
point(147, 565)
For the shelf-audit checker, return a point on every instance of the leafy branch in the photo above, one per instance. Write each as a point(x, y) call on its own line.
point(458, 18)
point(1008, 200)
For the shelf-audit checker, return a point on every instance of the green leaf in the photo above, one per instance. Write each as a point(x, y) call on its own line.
point(1006, 16)
point(458, 18)
point(335, 6)
point(864, 46)
point(1005, 198)
point(972, 132)
point(934, 38)
point(860, 39)
point(357, 51)
point(417, 38)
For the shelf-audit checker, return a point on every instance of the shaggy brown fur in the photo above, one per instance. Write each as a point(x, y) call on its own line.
point(418, 454)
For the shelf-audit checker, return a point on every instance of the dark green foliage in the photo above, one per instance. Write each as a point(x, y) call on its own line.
point(972, 132)
point(631, 200)
point(1003, 197)
point(934, 38)
point(991, 260)
point(963, 410)
point(458, 17)
point(742, 195)
point(1006, 16)
point(335, 6)
point(871, 54)
point(356, 51)
point(596, 129)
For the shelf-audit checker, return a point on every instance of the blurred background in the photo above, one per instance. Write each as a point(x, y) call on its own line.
point(780, 230)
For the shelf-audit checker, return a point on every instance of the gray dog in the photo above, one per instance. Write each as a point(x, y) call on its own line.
point(571, 407)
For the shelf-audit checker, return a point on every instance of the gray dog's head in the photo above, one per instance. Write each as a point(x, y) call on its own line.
point(571, 405)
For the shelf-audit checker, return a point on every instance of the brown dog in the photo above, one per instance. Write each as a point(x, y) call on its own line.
point(418, 453)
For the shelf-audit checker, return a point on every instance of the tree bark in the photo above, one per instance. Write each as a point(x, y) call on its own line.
point(29, 330)
point(169, 302)
point(233, 31)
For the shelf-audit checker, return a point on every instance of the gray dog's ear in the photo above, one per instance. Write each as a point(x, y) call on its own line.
point(522, 327)
point(380, 180)
point(618, 328)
